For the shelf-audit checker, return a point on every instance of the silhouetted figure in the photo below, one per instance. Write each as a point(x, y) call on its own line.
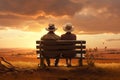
point(51, 36)
point(68, 28)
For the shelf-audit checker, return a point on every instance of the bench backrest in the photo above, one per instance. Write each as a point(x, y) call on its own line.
point(54, 48)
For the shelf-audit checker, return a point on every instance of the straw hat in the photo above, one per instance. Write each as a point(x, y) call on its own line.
point(51, 27)
point(68, 27)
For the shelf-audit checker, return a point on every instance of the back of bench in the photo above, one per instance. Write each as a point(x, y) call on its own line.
point(64, 48)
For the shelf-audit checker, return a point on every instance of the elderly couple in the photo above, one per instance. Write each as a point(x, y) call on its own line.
point(68, 28)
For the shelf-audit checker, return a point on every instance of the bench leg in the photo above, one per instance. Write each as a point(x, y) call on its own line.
point(80, 61)
point(42, 65)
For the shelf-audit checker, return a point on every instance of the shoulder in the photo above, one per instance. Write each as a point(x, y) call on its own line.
point(73, 34)
point(63, 34)
point(44, 36)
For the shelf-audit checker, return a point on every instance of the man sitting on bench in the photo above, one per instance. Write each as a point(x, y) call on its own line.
point(51, 36)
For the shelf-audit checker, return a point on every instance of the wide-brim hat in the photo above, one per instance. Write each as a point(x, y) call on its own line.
point(51, 27)
point(68, 27)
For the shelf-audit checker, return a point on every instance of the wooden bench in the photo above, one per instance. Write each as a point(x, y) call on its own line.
point(64, 48)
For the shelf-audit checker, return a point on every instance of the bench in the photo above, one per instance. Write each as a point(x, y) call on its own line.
point(64, 48)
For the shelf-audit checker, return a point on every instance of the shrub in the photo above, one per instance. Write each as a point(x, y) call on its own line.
point(90, 58)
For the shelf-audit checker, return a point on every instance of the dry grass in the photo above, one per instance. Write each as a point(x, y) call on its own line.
point(108, 65)
point(29, 71)
point(25, 65)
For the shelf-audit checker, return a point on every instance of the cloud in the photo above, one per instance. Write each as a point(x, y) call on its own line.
point(18, 12)
point(2, 28)
point(113, 40)
point(32, 7)
point(90, 16)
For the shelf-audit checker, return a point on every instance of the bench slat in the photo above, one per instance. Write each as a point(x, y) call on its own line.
point(79, 52)
point(38, 42)
point(63, 42)
point(50, 52)
point(80, 47)
point(59, 47)
point(62, 47)
point(72, 41)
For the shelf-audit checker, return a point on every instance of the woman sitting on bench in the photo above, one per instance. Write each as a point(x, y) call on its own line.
point(68, 28)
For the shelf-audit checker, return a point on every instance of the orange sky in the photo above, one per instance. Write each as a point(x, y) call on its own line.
point(22, 22)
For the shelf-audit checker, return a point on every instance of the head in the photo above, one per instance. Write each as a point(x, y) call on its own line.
point(51, 28)
point(68, 27)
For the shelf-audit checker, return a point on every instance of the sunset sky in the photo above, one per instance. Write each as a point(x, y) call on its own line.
point(22, 22)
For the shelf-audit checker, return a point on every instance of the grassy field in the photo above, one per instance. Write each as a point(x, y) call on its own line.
point(27, 68)
point(30, 71)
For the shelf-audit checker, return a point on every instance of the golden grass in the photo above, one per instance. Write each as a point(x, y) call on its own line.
point(108, 65)
point(34, 65)
point(103, 71)
point(27, 65)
